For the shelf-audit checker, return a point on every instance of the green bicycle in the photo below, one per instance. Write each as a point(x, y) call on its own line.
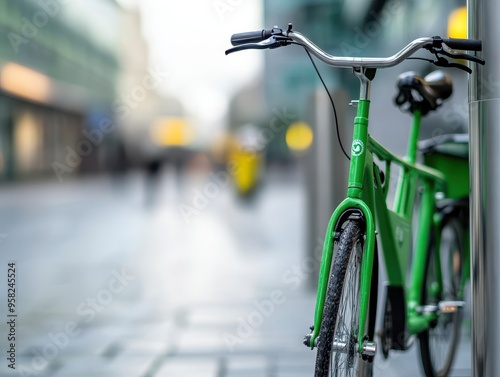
point(425, 287)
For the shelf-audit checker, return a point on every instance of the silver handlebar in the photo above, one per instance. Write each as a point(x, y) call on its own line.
point(352, 62)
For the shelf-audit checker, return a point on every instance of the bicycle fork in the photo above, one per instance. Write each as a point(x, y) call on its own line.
point(361, 168)
point(350, 208)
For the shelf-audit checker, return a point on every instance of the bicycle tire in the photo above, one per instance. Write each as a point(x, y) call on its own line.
point(343, 291)
point(437, 359)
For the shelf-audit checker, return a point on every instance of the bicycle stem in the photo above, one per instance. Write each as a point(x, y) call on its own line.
point(364, 84)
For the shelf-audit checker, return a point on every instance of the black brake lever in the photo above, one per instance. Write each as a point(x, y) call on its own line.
point(472, 58)
point(272, 42)
point(442, 62)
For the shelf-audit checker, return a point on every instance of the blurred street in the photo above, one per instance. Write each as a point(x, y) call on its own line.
point(114, 280)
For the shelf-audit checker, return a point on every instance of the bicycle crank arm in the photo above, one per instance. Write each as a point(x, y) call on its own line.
point(443, 307)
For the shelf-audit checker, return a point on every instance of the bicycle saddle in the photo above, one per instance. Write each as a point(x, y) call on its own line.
point(424, 94)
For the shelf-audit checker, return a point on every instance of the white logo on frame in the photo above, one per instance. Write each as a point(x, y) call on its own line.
point(357, 147)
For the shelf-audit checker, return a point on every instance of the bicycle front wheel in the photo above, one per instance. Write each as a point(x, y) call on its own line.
point(438, 342)
point(338, 337)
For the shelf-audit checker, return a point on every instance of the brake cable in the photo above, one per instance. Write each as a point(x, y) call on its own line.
point(331, 100)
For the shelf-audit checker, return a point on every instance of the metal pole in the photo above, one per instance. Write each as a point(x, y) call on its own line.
point(484, 114)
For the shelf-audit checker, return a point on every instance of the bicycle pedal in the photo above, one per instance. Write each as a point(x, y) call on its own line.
point(447, 307)
point(443, 307)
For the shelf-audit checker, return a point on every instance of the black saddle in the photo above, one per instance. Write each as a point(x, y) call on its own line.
point(424, 94)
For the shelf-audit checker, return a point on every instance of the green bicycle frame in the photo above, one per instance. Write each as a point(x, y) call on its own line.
point(367, 193)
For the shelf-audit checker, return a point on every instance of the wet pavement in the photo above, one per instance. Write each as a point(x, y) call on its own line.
point(182, 279)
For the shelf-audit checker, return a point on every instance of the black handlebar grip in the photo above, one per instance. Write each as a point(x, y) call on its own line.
point(463, 44)
point(250, 37)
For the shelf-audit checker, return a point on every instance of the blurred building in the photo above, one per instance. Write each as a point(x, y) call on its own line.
point(150, 115)
point(58, 72)
point(77, 93)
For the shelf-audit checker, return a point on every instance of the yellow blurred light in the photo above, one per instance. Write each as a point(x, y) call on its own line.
point(299, 136)
point(457, 23)
point(27, 142)
point(25, 82)
point(172, 131)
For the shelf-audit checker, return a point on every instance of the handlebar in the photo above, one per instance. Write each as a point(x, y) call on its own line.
point(353, 62)
point(463, 44)
point(277, 37)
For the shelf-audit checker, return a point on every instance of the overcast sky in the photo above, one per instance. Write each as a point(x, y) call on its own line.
point(188, 39)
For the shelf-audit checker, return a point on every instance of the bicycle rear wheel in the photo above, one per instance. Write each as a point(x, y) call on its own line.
point(438, 342)
point(337, 345)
